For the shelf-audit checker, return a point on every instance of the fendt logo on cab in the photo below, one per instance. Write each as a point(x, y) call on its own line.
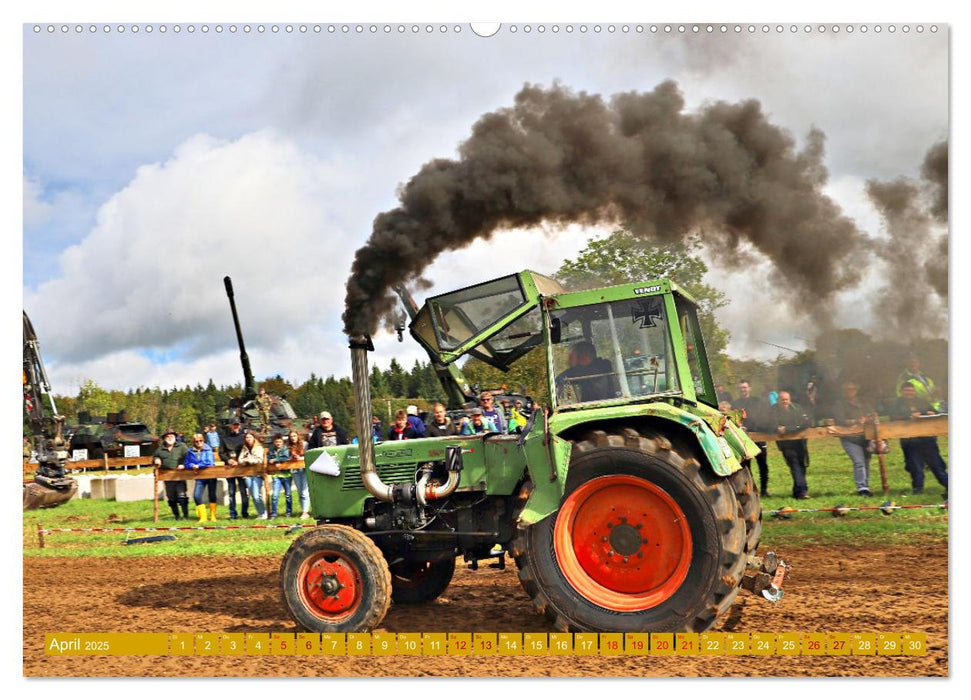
point(647, 290)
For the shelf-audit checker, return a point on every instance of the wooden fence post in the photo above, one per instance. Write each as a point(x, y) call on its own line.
point(266, 486)
point(881, 457)
point(155, 494)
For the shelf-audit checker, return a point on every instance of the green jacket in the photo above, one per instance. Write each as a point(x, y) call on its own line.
point(171, 457)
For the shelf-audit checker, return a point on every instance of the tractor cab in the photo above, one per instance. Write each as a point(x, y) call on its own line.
point(613, 345)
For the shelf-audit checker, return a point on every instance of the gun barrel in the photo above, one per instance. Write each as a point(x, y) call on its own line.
point(249, 383)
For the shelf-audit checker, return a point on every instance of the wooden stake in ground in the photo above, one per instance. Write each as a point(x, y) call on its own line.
point(881, 457)
point(40, 535)
point(155, 495)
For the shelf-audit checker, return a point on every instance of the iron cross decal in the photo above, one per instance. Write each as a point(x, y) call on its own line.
point(646, 311)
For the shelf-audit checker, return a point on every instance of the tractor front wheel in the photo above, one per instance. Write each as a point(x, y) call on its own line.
point(414, 582)
point(646, 540)
point(335, 579)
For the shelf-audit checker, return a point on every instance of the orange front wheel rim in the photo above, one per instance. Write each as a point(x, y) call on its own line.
point(330, 586)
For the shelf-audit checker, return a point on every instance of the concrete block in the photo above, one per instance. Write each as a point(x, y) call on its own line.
point(134, 488)
point(103, 488)
point(84, 485)
point(222, 492)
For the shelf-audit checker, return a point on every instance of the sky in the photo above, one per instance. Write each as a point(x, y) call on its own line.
point(156, 163)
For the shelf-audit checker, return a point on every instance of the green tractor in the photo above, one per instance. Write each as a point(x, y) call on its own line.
point(622, 501)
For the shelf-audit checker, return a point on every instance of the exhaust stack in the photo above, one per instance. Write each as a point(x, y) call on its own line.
point(362, 411)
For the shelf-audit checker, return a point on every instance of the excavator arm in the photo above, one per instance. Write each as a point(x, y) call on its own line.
point(46, 423)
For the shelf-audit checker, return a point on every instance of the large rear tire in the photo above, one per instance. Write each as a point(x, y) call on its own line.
point(414, 582)
point(750, 507)
point(335, 579)
point(646, 540)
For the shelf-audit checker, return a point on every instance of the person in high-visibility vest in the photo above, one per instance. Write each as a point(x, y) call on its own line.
point(923, 385)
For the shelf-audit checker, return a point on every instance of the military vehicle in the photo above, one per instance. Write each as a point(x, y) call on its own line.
point(282, 418)
point(51, 486)
point(623, 501)
point(108, 436)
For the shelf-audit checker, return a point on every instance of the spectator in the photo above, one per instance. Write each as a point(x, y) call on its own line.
point(402, 428)
point(440, 424)
point(477, 424)
point(212, 437)
point(789, 418)
point(327, 434)
point(231, 444)
point(850, 410)
point(377, 429)
point(919, 452)
point(517, 418)
point(263, 404)
point(297, 447)
point(813, 399)
point(754, 411)
point(179, 437)
point(489, 411)
point(199, 456)
point(251, 454)
point(415, 421)
point(723, 394)
point(280, 454)
point(171, 455)
point(923, 385)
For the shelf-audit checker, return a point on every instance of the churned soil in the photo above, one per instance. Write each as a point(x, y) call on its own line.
point(831, 589)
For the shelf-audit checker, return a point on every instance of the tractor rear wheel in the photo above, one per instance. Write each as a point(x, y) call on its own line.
point(750, 507)
point(646, 540)
point(335, 579)
point(414, 582)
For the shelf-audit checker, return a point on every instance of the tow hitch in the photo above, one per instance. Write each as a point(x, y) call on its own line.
point(765, 575)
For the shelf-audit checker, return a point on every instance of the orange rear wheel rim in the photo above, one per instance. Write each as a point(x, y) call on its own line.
point(622, 542)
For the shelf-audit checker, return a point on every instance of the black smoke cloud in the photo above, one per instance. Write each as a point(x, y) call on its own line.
point(724, 173)
point(915, 250)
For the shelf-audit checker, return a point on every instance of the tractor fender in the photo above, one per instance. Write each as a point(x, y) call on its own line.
point(548, 465)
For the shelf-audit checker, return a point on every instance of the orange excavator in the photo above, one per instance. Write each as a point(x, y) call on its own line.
point(51, 486)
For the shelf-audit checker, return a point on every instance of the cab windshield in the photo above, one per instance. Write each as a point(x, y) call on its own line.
point(613, 350)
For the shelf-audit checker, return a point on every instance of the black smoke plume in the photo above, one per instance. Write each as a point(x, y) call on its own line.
point(556, 157)
point(915, 251)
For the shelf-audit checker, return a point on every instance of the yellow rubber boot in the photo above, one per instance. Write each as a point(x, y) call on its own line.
point(201, 511)
point(212, 512)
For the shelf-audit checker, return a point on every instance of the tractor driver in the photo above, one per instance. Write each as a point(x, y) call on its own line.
point(588, 374)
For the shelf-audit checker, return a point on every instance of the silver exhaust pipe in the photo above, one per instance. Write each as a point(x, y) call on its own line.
point(362, 412)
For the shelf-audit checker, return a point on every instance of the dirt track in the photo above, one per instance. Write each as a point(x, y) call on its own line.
point(902, 589)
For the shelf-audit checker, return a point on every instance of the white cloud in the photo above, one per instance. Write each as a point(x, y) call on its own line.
point(36, 211)
point(148, 275)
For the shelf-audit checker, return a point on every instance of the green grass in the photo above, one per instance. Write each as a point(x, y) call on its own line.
point(97, 513)
point(830, 480)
